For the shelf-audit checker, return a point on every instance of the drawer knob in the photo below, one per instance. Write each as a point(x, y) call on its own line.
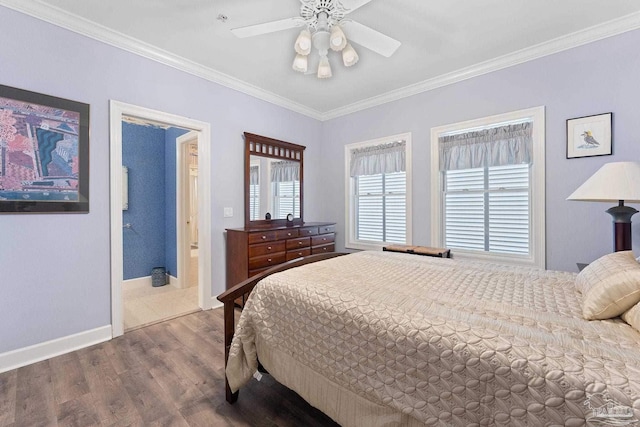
point(264, 237)
point(268, 248)
point(288, 234)
point(299, 243)
point(324, 239)
point(269, 260)
point(300, 253)
point(324, 249)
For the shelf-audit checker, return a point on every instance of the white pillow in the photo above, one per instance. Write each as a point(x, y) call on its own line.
point(632, 316)
point(610, 285)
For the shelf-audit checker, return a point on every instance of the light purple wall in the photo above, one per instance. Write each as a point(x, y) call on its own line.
point(596, 78)
point(54, 269)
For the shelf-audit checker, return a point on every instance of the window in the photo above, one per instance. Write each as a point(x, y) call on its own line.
point(488, 188)
point(378, 191)
point(286, 199)
point(254, 193)
point(285, 189)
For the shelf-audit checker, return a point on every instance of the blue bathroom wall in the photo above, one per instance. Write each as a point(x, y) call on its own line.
point(171, 262)
point(144, 243)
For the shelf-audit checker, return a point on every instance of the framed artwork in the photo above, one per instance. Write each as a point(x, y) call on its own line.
point(44, 153)
point(589, 136)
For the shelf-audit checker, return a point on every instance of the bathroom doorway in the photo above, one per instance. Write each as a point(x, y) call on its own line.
point(187, 191)
point(201, 131)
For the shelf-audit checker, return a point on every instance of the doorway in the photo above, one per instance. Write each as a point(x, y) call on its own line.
point(187, 207)
point(200, 132)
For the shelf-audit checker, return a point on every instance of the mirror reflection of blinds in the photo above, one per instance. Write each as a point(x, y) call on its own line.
point(488, 209)
point(254, 201)
point(380, 204)
point(286, 199)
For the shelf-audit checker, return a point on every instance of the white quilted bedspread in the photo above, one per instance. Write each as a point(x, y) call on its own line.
point(446, 342)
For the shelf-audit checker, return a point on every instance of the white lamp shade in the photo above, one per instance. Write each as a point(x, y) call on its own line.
point(349, 56)
point(338, 40)
point(324, 69)
point(303, 43)
point(611, 183)
point(300, 63)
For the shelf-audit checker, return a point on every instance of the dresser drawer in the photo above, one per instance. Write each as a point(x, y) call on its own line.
point(259, 237)
point(297, 254)
point(327, 229)
point(266, 260)
point(322, 249)
point(322, 239)
point(300, 242)
point(308, 231)
point(286, 234)
point(266, 248)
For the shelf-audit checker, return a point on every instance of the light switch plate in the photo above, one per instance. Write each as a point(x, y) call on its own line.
point(228, 212)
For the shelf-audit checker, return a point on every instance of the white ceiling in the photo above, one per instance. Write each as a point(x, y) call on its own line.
point(442, 41)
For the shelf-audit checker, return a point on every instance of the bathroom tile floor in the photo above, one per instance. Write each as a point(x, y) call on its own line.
point(146, 305)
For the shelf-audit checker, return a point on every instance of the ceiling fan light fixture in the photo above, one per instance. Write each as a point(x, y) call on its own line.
point(349, 55)
point(324, 69)
point(303, 42)
point(338, 40)
point(300, 63)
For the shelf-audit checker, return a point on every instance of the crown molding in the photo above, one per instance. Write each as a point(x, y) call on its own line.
point(588, 35)
point(75, 23)
point(80, 25)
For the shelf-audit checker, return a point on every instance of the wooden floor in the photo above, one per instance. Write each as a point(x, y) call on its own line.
point(168, 374)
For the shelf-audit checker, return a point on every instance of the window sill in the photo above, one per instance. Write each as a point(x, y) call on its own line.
point(497, 258)
point(369, 246)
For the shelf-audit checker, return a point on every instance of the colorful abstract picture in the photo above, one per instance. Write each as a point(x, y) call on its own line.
point(44, 153)
point(589, 136)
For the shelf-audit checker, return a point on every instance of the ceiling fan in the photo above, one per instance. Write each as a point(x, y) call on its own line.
point(324, 21)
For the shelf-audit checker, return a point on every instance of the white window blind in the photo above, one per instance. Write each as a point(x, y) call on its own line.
point(286, 199)
point(254, 201)
point(380, 207)
point(488, 209)
point(254, 193)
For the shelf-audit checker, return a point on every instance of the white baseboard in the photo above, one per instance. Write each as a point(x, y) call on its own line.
point(146, 282)
point(215, 303)
point(138, 282)
point(46, 350)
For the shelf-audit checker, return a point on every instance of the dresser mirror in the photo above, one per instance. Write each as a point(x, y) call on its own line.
point(273, 182)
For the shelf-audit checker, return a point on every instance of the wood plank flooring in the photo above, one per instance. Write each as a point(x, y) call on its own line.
point(168, 374)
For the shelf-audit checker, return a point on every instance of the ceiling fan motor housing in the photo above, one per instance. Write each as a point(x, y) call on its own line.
point(310, 11)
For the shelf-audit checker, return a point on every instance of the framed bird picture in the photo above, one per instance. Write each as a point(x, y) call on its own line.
point(589, 136)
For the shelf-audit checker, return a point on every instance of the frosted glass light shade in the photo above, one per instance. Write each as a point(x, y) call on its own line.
point(349, 56)
point(611, 183)
point(324, 69)
point(338, 40)
point(300, 63)
point(303, 43)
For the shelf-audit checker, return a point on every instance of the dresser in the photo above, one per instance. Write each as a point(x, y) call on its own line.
point(253, 250)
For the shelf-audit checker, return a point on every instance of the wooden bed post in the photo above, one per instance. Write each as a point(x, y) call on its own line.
point(229, 327)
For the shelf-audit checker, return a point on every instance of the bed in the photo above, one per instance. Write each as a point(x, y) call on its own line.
point(385, 339)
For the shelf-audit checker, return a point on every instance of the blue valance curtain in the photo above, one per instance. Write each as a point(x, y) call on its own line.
point(285, 171)
point(378, 159)
point(499, 146)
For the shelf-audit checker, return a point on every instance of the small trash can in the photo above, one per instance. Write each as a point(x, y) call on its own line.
point(158, 277)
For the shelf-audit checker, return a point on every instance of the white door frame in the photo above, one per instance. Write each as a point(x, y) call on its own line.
point(182, 209)
point(117, 111)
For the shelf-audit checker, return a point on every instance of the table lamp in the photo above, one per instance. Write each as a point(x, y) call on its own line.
point(618, 181)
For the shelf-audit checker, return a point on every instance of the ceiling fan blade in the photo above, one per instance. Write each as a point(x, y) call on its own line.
point(267, 27)
point(352, 5)
point(370, 38)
